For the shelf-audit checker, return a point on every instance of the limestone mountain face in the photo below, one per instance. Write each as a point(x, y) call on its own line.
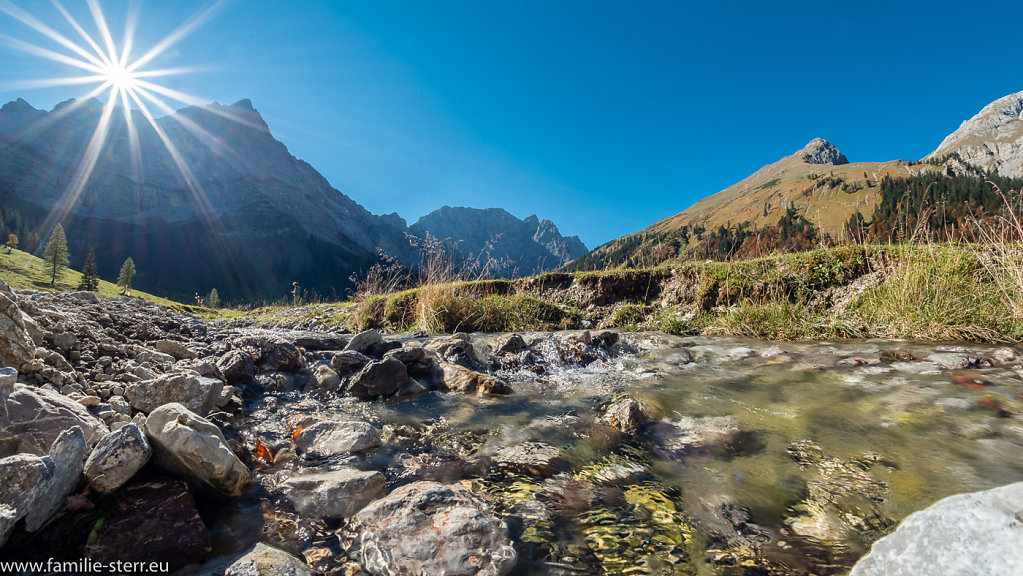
point(225, 205)
point(820, 151)
point(494, 242)
point(991, 140)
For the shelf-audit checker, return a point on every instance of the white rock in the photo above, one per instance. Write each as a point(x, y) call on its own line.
point(976, 534)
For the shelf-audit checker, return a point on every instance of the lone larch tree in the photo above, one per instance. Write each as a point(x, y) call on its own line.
point(127, 273)
point(56, 254)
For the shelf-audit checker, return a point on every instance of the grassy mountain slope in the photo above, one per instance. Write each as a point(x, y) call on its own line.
point(24, 271)
point(825, 194)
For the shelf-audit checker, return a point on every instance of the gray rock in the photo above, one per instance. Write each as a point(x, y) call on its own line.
point(627, 415)
point(381, 378)
point(992, 140)
point(65, 340)
point(325, 378)
point(176, 349)
point(195, 393)
point(117, 457)
point(335, 493)
point(85, 296)
point(263, 560)
point(66, 458)
point(38, 416)
point(345, 363)
point(8, 518)
point(237, 366)
point(192, 447)
point(330, 437)
point(510, 344)
point(462, 379)
point(8, 376)
point(16, 346)
point(154, 357)
point(432, 528)
point(675, 439)
point(966, 534)
point(951, 361)
point(363, 342)
point(532, 458)
point(819, 151)
point(22, 478)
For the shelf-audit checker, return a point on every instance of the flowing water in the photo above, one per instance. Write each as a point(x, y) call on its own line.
point(762, 458)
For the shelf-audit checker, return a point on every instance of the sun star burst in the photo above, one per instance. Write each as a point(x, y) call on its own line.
point(126, 81)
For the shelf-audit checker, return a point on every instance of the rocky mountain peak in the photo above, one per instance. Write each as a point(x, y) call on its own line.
point(820, 151)
point(990, 140)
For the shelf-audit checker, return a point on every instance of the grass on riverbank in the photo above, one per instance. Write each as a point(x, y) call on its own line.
point(929, 292)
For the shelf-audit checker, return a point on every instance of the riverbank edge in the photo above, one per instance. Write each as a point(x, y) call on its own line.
point(933, 292)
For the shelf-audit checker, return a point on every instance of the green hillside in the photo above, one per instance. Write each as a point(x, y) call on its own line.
point(24, 271)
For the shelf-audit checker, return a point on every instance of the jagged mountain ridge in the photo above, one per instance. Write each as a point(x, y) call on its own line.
point(495, 242)
point(991, 140)
point(245, 216)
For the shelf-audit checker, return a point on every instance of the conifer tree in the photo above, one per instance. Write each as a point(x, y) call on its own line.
point(56, 254)
point(127, 273)
point(213, 300)
point(90, 277)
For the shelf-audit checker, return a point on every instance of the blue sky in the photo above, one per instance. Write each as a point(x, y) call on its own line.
point(602, 116)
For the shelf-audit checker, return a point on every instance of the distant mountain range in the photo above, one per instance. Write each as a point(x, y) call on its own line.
point(209, 198)
point(819, 185)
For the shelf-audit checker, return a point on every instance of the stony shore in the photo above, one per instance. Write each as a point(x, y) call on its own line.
point(129, 432)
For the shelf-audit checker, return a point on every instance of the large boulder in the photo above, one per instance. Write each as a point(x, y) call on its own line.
point(16, 346)
point(176, 349)
point(38, 416)
point(462, 379)
point(197, 393)
point(432, 528)
point(194, 448)
point(66, 457)
point(270, 352)
point(237, 366)
point(117, 457)
point(263, 560)
point(331, 437)
point(35, 487)
point(966, 534)
point(381, 378)
point(335, 493)
point(365, 342)
point(152, 522)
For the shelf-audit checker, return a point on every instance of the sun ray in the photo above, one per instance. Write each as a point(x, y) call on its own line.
point(129, 86)
point(134, 148)
point(34, 23)
point(85, 168)
point(174, 37)
point(81, 32)
point(51, 82)
point(51, 55)
point(104, 30)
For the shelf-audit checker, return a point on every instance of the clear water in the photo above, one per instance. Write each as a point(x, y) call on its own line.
point(884, 441)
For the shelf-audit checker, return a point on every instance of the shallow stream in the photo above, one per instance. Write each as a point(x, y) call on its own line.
point(760, 458)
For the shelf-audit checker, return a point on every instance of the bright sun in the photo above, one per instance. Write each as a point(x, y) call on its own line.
point(120, 77)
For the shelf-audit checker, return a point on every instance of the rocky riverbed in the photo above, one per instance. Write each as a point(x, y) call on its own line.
point(131, 433)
